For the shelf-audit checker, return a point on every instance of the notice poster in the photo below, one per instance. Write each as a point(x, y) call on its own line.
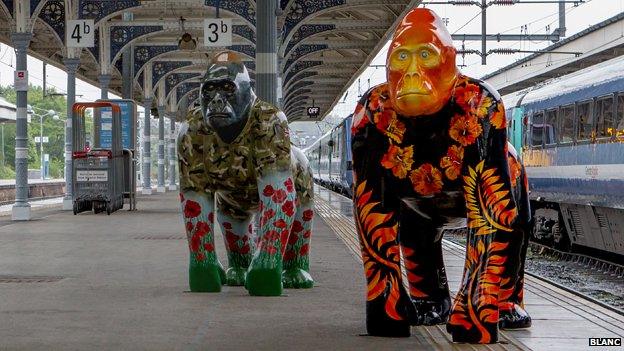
point(127, 123)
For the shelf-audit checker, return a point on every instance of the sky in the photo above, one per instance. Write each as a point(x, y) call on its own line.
point(461, 20)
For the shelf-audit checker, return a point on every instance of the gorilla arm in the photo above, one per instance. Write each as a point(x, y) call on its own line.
point(388, 305)
point(492, 215)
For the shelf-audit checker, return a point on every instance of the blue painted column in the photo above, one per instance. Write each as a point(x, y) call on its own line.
point(21, 208)
point(71, 66)
point(266, 51)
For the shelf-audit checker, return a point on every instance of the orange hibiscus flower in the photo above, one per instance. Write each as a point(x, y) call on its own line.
point(359, 118)
point(498, 119)
point(471, 99)
point(399, 160)
point(389, 124)
point(375, 99)
point(426, 180)
point(465, 129)
point(452, 162)
point(515, 169)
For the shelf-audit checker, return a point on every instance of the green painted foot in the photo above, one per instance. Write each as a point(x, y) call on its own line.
point(264, 282)
point(297, 278)
point(205, 278)
point(235, 276)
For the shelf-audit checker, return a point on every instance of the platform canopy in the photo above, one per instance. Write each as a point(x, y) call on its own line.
point(7, 111)
point(322, 45)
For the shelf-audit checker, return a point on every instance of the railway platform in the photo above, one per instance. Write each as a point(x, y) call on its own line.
point(120, 282)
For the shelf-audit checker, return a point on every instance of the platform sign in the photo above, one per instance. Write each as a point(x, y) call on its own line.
point(313, 111)
point(218, 32)
point(21, 81)
point(80, 34)
point(128, 116)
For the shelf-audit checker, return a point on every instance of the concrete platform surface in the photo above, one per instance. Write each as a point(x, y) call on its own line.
point(119, 282)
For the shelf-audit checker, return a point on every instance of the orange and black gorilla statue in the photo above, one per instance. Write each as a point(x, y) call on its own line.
point(430, 144)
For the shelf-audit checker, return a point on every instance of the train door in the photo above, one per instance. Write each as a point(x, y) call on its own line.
point(516, 127)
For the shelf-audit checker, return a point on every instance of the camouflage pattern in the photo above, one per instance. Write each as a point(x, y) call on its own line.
point(231, 170)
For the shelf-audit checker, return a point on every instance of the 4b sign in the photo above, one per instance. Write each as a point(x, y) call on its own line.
point(218, 32)
point(80, 34)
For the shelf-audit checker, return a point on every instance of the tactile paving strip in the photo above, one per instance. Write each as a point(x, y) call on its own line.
point(29, 279)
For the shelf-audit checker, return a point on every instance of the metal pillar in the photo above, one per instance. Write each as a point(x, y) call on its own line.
point(104, 80)
point(71, 66)
point(21, 208)
point(126, 64)
point(483, 32)
point(147, 153)
point(172, 154)
point(266, 51)
point(161, 149)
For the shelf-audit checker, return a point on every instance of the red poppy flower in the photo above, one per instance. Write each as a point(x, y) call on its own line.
point(307, 215)
point(452, 162)
point(200, 256)
point(249, 228)
point(245, 249)
point(189, 226)
point(191, 209)
point(426, 180)
point(211, 217)
point(271, 250)
point(268, 214)
point(202, 228)
point(284, 239)
point(289, 255)
point(261, 206)
point(268, 190)
point(231, 239)
point(280, 223)
point(181, 197)
point(307, 234)
point(304, 249)
point(227, 225)
point(195, 243)
point(293, 238)
point(290, 187)
point(297, 227)
point(465, 129)
point(289, 208)
point(399, 160)
point(279, 196)
point(271, 236)
point(245, 239)
point(208, 247)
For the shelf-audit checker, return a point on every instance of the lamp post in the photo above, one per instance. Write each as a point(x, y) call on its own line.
point(55, 116)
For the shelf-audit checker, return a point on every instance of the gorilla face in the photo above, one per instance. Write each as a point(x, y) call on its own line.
point(226, 98)
point(421, 68)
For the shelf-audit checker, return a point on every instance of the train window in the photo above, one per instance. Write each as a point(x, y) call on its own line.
point(619, 128)
point(605, 119)
point(550, 124)
point(585, 121)
point(537, 130)
point(566, 124)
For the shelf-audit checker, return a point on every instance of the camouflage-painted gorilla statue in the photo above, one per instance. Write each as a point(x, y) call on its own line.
point(429, 144)
point(235, 150)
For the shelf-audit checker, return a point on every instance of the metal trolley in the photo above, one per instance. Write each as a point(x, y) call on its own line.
point(98, 173)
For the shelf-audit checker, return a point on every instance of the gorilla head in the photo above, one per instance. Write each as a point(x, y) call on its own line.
point(226, 95)
point(421, 70)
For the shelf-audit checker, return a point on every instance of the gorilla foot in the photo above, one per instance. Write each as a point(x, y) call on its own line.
point(264, 282)
point(297, 278)
point(488, 334)
point(431, 312)
point(513, 317)
point(235, 276)
point(205, 277)
point(380, 323)
point(388, 328)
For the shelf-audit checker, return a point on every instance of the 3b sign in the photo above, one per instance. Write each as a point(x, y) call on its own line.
point(80, 34)
point(218, 32)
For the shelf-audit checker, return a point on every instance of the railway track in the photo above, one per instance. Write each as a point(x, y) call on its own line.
point(592, 278)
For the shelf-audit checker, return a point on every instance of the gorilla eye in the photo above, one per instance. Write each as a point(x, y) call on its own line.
point(228, 88)
point(403, 55)
point(424, 54)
